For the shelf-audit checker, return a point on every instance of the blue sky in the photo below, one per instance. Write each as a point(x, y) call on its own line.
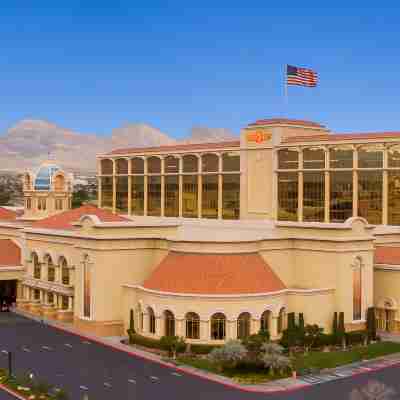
point(216, 63)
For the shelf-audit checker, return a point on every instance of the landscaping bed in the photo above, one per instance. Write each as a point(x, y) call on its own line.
point(31, 389)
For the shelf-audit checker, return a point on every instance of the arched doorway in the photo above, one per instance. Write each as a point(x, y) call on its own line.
point(385, 315)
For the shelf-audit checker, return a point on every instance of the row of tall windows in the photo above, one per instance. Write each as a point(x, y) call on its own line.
point(148, 186)
point(217, 324)
point(328, 180)
point(51, 269)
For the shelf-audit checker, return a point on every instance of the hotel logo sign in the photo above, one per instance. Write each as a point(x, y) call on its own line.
point(258, 136)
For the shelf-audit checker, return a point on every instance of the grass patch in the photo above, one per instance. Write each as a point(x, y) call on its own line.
point(318, 360)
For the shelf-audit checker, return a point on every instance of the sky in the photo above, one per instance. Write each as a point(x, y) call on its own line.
point(92, 66)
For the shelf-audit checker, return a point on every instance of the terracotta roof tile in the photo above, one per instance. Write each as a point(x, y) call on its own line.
point(342, 137)
point(7, 215)
point(387, 255)
point(64, 220)
point(285, 121)
point(220, 274)
point(10, 254)
point(177, 147)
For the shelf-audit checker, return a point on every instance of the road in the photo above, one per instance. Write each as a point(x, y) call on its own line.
point(103, 373)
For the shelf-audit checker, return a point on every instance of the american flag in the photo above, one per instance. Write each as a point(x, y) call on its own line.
point(301, 76)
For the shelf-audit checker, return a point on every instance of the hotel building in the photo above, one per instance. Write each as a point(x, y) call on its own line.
point(214, 241)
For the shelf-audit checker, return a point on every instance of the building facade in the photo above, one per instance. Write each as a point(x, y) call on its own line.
point(214, 241)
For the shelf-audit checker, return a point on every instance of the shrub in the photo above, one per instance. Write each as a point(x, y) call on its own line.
point(274, 359)
point(228, 355)
point(173, 344)
point(203, 348)
point(254, 344)
point(355, 337)
point(265, 333)
point(312, 334)
point(371, 324)
point(325, 339)
point(341, 331)
point(335, 326)
point(146, 342)
point(131, 331)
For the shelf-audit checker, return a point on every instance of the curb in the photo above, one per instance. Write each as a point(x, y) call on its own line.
point(10, 391)
point(194, 372)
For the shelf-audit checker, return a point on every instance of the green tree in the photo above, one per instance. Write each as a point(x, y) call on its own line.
point(254, 344)
point(371, 324)
point(131, 331)
point(79, 197)
point(274, 359)
point(173, 344)
point(312, 333)
point(341, 330)
point(301, 329)
point(228, 355)
point(4, 195)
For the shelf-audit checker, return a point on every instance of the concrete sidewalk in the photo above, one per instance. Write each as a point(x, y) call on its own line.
point(286, 384)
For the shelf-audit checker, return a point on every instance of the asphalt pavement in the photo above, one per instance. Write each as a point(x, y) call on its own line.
point(84, 367)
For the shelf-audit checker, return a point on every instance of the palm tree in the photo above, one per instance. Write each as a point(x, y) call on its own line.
point(274, 359)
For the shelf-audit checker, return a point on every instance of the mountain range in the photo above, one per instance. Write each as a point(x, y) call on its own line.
point(30, 142)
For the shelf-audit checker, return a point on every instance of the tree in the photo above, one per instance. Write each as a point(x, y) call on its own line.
point(254, 344)
point(79, 197)
point(301, 329)
point(371, 324)
point(4, 195)
point(228, 355)
point(311, 334)
point(335, 326)
point(341, 330)
point(274, 359)
point(291, 330)
point(173, 344)
point(131, 331)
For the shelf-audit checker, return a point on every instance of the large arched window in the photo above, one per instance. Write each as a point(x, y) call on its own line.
point(210, 163)
point(169, 323)
point(51, 271)
point(218, 326)
point(121, 166)
point(59, 183)
point(64, 271)
point(288, 159)
point(106, 167)
point(281, 320)
point(357, 289)
point(265, 320)
point(36, 266)
point(152, 320)
point(192, 326)
point(243, 325)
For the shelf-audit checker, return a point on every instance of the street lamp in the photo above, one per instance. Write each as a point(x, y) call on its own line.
point(9, 354)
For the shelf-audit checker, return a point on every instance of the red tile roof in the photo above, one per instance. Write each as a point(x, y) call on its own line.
point(7, 215)
point(343, 136)
point(212, 274)
point(177, 147)
point(10, 254)
point(64, 220)
point(286, 121)
point(387, 255)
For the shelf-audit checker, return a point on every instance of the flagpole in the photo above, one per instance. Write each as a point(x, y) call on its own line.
point(285, 87)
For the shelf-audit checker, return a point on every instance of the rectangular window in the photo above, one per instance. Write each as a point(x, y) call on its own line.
point(370, 196)
point(189, 196)
point(50, 298)
point(370, 157)
point(137, 195)
point(51, 274)
point(122, 194)
point(314, 196)
point(231, 196)
point(171, 196)
point(341, 196)
point(107, 191)
point(287, 196)
point(394, 197)
point(36, 294)
point(209, 206)
point(154, 195)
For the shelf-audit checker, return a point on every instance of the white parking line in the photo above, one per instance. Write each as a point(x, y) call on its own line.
point(46, 348)
point(83, 387)
point(86, 342)
point(132, 381)
point(154, 378)
point(175, 374)
point(68, 345)
point(106, 384)
point(26, 350)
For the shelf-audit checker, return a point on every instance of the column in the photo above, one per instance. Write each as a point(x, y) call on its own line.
point(158, 323)
point(355, 182)
point(114, 184)
point(99, 192)
point(129, 187)
point(162, 187)
point(179, 331)
point(145, 323)
point(385, 182)
point(300, 187)
point(219, 186)
point(145, 188)
point(70, 303)
point(274, 327)
point(255, 326)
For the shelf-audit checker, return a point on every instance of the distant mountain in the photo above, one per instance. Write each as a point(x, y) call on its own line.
point(29, 142)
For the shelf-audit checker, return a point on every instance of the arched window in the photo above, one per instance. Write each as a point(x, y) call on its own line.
point(51, 271)
point(154, 165)
point(36, 266)
point(106, 167)
point(370, 156)
point(190, 163)
point(394, 157)
point(59, 183)
point(192, 326)
point(231, 162)
point(313, 158)
point(137, 165)
point(288, 159)
point(121, 166)
point(357, 289)
point(282, 320)
point(210, 163)
point(218, 326)
point(243, 325)
point(152, 320)
point(265, 320)
point(169, 321)
point(171, 165)
point(64, 271)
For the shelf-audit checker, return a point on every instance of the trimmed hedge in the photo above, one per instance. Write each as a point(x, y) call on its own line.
point(202, 348)
point(355, 337)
